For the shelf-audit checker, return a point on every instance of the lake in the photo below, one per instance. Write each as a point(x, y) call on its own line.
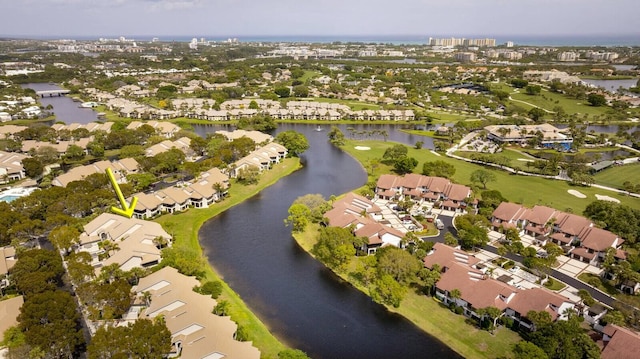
point(301, 301)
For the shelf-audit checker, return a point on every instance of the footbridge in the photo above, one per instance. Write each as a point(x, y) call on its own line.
point(51, 93)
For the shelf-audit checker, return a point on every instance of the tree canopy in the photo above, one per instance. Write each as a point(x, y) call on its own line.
point(483, 177)
point(37, 270)
point(336, 246)
point(295, 142)
point(50, 322)
point(142, 339)
point(438, 168)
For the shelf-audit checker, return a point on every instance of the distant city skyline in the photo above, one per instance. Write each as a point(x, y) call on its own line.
point(238, 18)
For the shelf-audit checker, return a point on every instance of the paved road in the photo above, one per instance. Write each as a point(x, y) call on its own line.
point(571, 281)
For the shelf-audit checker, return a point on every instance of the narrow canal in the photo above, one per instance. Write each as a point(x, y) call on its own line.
point(302, 302)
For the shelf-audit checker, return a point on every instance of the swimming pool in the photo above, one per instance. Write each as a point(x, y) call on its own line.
point(12, 193)
point(8, 198)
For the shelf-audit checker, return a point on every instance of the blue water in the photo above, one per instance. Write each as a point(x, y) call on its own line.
point(8, 198)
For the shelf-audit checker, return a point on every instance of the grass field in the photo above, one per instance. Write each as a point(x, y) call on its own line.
point(522, 189)
point(185, 226)
point(615, 176)
point(434, 318)
point(447, 117)
point(308, 75)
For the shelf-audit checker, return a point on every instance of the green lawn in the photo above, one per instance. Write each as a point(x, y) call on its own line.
point(447, 117)
point(526, 190)
point(517, 159)
point(184, 228)
point(434, 318)
point(615, 176)
point(571, 106)
point(308, 75)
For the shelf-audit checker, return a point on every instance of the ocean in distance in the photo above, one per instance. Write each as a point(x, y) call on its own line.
point(523, 40)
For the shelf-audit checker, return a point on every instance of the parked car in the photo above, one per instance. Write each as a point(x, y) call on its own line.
point(439, 224)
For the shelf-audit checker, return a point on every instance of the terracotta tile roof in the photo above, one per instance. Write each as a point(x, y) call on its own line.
point(537, 299)
point(444, 255)
point(624, 343)
point(387, 193)
point(338, 218)
point(582, 252)
point(357, 203)
point(562, 238)
point(509, 212)
point(450, 204)
point(431, 195)
point(598, 239)
point(571, 224)
point(474, 288)
point(411, 180)
point(388, 182)
point(541, 214)
point(457, 192)
point(436, 184)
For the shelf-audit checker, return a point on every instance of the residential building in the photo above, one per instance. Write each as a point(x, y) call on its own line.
point(577, 235)
point(210, 187)
point(127, 242)
point(620, 343)
point(460, 272)
point(450, 196)
point(7, 261)
point(11, 168)
point(196, 332)
point(366, 220)
point(120, 168)
point(9, 312)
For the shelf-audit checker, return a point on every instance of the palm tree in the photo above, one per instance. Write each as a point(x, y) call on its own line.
point(454, 295)
point(146, 296)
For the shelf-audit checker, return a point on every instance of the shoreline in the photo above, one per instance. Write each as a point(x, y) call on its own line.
point(429, 315)
point(184, 228)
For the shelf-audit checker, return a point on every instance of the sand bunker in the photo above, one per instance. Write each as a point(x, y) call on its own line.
point(607, 198)
point(578, 194)
point(362, 148)
point(525, 160)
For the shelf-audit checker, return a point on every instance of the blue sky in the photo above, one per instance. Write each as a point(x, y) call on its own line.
point(237, 18)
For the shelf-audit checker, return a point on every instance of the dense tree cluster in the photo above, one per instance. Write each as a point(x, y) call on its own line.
point(472, 230)
point(438, 168)
point(295, 142)
point(142, 339)
point(49, 319)
point(397, 156)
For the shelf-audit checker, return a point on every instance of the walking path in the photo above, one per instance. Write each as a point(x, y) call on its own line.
point(530, 104)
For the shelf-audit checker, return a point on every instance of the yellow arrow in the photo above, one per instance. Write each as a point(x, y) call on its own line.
point(126, 210)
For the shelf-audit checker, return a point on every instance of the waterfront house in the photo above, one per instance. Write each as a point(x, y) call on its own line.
point(127, 242)
point(196, 332)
